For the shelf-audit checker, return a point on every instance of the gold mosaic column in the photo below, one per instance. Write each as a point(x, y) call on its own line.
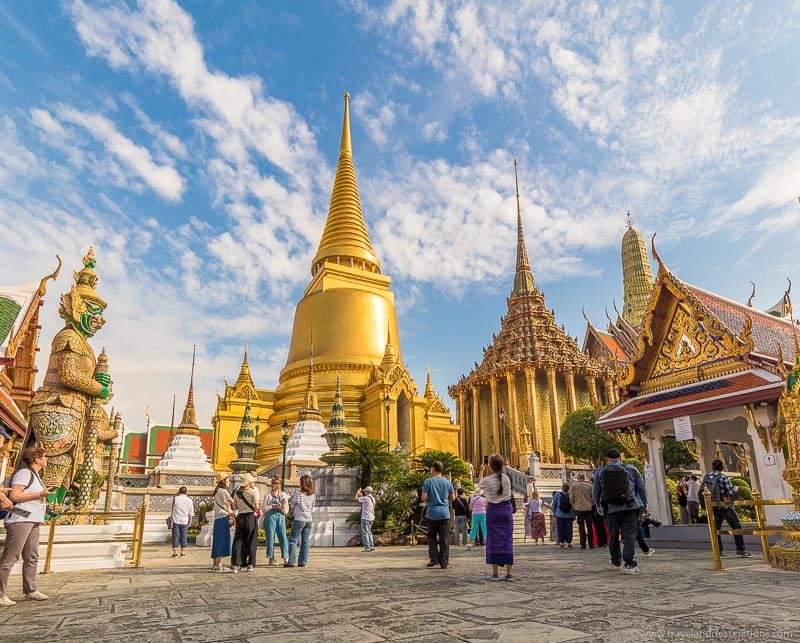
point(569, 377)
point(513, 426)
point(611, 391)
point(552, 390)
point(495, 421)
point(462, 434)
point(592, 386)
point(530, 379)
point(476, 426)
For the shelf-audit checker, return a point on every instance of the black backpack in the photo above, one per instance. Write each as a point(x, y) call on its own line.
point(564, 505)
point(616, 486)
point(714, 483)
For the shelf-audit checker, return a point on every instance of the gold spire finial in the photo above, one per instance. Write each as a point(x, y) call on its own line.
point(429, 386)
point(188, 425)
point(346, 146)
point(310, 409)
point(524, 283)
point(630, 220)
point(345, 239)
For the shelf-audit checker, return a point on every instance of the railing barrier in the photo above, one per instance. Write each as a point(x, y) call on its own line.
point(135, 537)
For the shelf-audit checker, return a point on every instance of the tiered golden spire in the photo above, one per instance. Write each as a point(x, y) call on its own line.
point(310, 410)
point(389, 356)
point(345, 239)
point(188, 425)
point(636, 275)
point(244, 378)
point(429, 393)
point(523, 279)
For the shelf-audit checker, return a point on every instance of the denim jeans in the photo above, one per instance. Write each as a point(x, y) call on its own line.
point(179, 535)
point(275, 523)
point(301, 533)
point(626, 524)
point(366, 534)
point(461, 530)
point(564, 529)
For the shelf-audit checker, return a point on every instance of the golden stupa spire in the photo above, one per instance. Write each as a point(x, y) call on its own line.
point(345, 239)
point(188, 425)
point(429, 394)
point(310, 410)
point(523, 278)
point(244, 373)
point(636, 275)
point(389, 356)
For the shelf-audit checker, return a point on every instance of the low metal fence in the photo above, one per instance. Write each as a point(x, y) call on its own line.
point(135, 536)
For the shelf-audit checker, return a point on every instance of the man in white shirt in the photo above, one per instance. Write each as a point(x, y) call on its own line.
point(182, 515)
point(693, 498)
point(367, 500)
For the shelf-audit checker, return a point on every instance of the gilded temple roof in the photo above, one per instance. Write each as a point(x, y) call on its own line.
point(529, 335)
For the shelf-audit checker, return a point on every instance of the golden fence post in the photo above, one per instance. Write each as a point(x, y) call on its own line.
point(712, 529)
point(139, 535)
point(48, 558)
point(762, 525)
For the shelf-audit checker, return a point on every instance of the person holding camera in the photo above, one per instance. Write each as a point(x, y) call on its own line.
point(29, 496)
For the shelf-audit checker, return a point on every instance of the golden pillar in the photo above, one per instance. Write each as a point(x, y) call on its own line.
point(592, 386)
point(553, 394)
point(513, 427)
point(460, 416)
point(476, 426)
point(530, 380)
point(611, 391)
point(495, 414)
point(569, 377)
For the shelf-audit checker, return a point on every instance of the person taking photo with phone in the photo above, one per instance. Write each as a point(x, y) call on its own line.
point(29, 496)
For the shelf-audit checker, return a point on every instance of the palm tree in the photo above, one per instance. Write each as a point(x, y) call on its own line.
point(453, 465)
point(366, 455)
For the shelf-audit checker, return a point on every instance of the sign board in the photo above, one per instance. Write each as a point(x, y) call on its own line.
point(683, 428)
point(770, 460)
point(648, 472)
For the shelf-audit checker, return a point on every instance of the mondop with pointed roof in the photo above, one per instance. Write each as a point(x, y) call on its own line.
point(356, 339)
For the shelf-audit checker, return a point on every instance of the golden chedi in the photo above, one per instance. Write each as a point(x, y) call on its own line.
point(349, 308)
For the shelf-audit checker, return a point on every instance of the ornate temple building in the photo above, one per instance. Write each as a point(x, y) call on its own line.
point(710, 370)
point(349, 309)
point(19, 335)
point(531, 377)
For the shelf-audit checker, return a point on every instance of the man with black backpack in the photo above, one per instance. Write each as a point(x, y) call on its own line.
point(723, 491)
point(618, 493)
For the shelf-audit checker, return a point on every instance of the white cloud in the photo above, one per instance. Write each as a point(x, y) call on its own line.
point(377, 119)
point(163, 179)
point(434, 131)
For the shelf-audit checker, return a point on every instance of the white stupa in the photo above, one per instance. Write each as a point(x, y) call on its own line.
point(185, 453)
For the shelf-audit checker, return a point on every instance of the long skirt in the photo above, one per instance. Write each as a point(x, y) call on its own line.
point(221, 538)
point(499, 533)
point(538, 526)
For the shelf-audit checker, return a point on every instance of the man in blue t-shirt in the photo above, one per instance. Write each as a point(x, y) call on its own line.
point(437, 492)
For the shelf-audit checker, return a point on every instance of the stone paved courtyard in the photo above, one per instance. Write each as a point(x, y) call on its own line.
point(346, 595)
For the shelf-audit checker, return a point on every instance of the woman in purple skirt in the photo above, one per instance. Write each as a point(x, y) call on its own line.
point(499, 518)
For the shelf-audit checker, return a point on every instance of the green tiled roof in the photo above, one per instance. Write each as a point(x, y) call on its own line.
point(9, 310)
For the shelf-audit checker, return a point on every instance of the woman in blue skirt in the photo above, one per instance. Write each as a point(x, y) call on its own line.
point(223, 514)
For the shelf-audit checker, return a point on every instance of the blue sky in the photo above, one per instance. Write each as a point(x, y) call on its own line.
point(194, 143)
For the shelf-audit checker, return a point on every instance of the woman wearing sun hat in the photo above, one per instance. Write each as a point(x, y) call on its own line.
point(223, 515)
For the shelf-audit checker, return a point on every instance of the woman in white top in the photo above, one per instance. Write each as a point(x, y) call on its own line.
point(22, 525)
point(499, 518)
point(223, 516)
point(301, 503)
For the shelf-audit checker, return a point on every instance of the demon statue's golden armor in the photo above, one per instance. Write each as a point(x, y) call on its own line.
point(66, 408)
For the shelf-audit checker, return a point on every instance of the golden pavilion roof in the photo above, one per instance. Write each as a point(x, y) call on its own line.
point(345, 239)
